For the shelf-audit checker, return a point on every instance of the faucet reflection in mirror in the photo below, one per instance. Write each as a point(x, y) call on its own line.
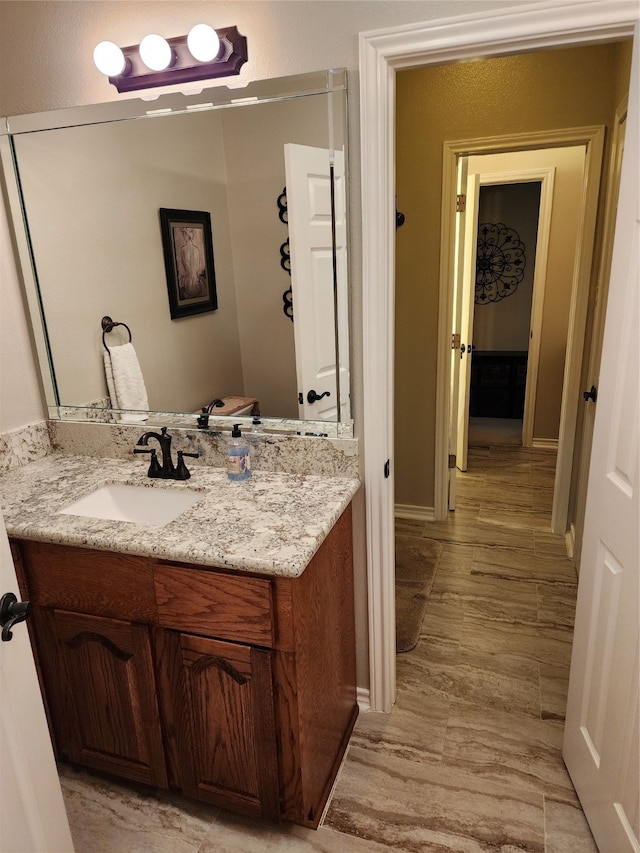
point(203, 54)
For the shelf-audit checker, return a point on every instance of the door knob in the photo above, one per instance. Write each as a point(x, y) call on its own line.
point(590, 395)
point(312, 397)
point(12, 611)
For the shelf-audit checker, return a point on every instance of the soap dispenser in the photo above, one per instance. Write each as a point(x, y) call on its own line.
point(238, 461)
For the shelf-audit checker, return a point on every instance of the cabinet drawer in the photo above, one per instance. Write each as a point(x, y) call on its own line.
point(198, 601)
point(119, 586)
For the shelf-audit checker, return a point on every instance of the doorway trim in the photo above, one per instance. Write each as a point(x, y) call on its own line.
point(592, 138)
point(545, 176)
point(382, 53)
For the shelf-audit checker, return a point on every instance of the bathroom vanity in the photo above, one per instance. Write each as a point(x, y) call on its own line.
point(230, 679)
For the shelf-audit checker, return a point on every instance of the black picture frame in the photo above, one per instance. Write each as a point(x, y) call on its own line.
point(188, 259)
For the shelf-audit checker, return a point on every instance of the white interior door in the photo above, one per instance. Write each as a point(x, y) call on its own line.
point(456, 329)
point(310, 197)
point(32, 814)
point(467, 312)
point(602, 741)
point(516, 167)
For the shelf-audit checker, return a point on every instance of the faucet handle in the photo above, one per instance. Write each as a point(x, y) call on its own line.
point(154, 466)
point(182, 472)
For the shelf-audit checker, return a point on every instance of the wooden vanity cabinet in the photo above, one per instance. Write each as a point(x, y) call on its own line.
point(234, 689)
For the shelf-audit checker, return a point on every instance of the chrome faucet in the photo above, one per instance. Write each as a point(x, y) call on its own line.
point(165, 470)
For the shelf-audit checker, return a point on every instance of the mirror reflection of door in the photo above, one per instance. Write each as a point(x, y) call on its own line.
point(316, 215)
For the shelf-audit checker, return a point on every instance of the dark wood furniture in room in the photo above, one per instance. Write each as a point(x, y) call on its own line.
point(498, 380)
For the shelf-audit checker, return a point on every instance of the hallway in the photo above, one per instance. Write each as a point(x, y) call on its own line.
point(470, 757)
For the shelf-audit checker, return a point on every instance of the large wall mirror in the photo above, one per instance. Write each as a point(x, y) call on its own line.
point(258, 173)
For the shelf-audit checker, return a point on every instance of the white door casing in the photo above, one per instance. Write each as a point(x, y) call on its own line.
point(535, 145)
point(456, 328)
point(32, 813)
point(313, 231)
point(470, 253)
point(602, 730)
point(574, 535)
point(545, 175)
point(532, 27)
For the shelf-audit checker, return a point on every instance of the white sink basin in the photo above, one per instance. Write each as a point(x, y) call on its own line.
point(138, 504)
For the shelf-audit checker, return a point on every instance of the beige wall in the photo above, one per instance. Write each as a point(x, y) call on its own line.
point(564, 88)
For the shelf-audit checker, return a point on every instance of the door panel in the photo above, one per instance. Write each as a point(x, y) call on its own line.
point(313, 194)
point(601, 733)
point(229, 754)
point(103, 694)
point(456, 340)
point(468, 305)
point(32, 814)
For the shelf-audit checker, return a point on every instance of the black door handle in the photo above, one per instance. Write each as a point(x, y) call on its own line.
point(590, 395)
point(312, 397)
point(12, 611)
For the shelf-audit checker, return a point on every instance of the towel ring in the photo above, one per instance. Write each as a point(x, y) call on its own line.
point(108, 325)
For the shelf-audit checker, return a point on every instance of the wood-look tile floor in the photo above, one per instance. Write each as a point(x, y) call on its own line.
point(469, 759)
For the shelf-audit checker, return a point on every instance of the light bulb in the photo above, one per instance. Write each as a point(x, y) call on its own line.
point(109, 59)
point(203, 43)
point(155, 52)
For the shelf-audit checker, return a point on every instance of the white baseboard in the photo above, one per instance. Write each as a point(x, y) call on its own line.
point(363, 697)
point(570, 540)
point(414, 513)
point(545, 443)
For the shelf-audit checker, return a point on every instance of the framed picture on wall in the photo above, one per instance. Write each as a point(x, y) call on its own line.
point(188, 261)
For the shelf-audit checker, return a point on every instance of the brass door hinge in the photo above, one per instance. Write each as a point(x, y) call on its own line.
point(461, 203)
point(452, 460)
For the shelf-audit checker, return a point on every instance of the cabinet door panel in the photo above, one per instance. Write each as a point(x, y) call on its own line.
point(106, 696)
point(231, 731)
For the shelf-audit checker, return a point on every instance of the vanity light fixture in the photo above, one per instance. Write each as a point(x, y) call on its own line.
point(203, 54)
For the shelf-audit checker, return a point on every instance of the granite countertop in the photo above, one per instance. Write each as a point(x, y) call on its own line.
point(272, 523)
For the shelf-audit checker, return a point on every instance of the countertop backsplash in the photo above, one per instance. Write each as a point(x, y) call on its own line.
point(26, 444)
point(269, 452)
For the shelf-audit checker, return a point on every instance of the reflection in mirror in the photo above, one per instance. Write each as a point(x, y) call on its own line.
point(266, 174)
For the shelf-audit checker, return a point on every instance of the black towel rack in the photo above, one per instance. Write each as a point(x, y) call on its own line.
point(108, 325)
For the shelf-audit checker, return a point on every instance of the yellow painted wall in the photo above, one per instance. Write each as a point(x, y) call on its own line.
point(572, 87)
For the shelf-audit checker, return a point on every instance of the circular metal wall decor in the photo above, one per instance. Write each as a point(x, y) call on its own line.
point(500, 263)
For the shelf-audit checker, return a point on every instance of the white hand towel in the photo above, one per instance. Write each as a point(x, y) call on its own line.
point(125, 382)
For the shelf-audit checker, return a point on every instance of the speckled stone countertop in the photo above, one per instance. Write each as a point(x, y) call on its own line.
point(272, 523)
